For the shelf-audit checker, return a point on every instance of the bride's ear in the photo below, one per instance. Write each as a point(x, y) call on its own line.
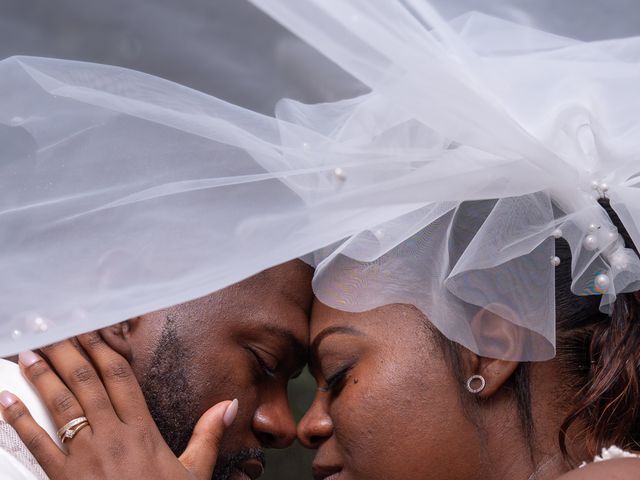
point(500, 339)
point(117, 337)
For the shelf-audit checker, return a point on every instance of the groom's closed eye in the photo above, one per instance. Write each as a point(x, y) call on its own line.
point(267, 362)
point(278, 350)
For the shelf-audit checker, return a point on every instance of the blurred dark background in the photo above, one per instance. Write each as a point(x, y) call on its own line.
point(226, 48)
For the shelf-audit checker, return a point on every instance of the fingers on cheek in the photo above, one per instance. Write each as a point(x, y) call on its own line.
point(91, 341)
point(33, 365)
point(57, 397)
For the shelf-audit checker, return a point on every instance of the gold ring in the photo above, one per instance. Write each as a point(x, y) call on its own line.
point(68, 431)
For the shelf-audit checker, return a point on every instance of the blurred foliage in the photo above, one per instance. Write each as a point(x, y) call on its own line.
point(294, 463)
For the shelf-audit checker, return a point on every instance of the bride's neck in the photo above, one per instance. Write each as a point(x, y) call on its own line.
point(515, 455)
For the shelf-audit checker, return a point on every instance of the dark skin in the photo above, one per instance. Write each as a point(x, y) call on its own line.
point(244, 342)
point(389, 408)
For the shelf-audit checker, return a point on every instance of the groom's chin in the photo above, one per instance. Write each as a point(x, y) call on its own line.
point(249, 470)
point(238, 474)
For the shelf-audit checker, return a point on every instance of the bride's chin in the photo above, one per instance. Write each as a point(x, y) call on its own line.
point(335, 475)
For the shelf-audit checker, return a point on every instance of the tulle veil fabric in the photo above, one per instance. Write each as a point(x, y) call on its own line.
point(478, 139)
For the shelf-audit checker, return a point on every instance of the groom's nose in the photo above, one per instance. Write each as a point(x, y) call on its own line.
point(273, 424)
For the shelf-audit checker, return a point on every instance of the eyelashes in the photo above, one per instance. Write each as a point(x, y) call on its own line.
point(268, 371)
point(336, 382)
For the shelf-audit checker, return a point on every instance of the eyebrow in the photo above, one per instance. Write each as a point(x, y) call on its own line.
point(342, 330)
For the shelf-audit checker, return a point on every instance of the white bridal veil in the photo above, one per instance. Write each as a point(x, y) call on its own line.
point(464, 143)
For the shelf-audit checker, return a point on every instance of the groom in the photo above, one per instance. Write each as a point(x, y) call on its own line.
point(244, 342)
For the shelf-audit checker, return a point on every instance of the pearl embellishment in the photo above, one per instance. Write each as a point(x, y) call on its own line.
point(590, 242)
point(602, 283)
point(601, 188)
point(619, 260)
point(339, 174)
point(40, 325)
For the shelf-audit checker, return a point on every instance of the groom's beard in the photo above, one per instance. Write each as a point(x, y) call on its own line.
point(171, 400)
point(168, 392)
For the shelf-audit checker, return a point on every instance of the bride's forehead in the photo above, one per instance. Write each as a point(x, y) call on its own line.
point(385, 318)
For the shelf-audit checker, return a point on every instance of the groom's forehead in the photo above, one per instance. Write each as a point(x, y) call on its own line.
point(277, 300)
point(275, 304)
point(290, 281)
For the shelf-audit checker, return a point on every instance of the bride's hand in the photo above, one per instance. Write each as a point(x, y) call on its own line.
point(121, 441)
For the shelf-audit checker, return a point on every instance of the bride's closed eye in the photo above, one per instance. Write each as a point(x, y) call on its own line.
point(334, 359)
point(335, 382)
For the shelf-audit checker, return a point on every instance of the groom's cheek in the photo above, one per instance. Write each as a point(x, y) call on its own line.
point(230, 376)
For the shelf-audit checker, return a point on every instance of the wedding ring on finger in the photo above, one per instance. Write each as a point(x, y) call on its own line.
point(69, 430)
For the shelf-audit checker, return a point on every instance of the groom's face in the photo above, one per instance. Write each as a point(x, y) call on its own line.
point(243, 342)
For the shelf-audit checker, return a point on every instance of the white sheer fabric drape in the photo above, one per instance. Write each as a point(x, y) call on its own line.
point(441, 186)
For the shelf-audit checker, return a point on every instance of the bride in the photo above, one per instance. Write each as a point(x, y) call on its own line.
point(469, 218)
point(397, 399)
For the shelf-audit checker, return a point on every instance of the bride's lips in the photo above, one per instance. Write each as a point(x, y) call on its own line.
point(325, 472)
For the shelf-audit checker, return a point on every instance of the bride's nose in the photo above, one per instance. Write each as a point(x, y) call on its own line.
point(315, 427)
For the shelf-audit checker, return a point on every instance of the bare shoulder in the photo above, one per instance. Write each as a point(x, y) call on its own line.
point(617, 469)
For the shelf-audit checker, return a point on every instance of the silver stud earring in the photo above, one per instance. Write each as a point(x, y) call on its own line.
point(480, 387)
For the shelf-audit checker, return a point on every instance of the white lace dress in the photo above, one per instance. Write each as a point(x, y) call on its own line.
point(612, 453)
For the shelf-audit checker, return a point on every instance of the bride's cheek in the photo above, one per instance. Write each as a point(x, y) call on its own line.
point(357, 412)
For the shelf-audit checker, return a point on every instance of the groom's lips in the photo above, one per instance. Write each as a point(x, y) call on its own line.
point(324, 472)
point(249, 469)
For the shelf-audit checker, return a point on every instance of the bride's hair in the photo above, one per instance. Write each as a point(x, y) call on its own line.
point(599, 356)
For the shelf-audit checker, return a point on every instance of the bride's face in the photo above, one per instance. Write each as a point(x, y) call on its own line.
point(387, 406)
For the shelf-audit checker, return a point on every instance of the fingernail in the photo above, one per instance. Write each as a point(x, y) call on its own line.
point(230, 413)
point(7, 399)
point(28, 358)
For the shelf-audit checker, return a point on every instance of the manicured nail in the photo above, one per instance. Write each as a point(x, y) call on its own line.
point(230, 413)
point(7, 399)
point(28, 358)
